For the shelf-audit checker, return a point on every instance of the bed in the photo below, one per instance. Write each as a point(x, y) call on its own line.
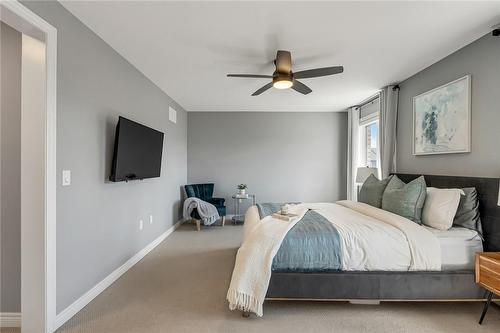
point(452, 281)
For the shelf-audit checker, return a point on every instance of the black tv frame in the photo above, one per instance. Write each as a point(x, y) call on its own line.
point(129, 177)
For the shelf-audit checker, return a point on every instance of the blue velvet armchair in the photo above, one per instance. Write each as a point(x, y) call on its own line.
point(205, 192)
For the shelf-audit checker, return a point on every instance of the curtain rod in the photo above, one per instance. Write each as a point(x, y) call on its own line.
point(366, 102)
point(371, 99)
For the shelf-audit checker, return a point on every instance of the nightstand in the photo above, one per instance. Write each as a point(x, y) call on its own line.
point(488, 276)
point(238, 198)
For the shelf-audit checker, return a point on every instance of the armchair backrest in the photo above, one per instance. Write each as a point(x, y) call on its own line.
point(201, 191)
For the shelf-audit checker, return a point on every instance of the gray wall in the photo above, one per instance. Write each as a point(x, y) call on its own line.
point(10, 176)
point(98, 221)
point(280, 156)
point(481, 60)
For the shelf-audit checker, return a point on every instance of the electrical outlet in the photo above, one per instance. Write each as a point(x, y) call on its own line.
point(150, 219)
point(141, 224)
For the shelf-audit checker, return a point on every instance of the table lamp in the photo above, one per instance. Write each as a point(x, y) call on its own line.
point(363, 173)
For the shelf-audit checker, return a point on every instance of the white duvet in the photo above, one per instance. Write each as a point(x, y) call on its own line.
point(371, 239)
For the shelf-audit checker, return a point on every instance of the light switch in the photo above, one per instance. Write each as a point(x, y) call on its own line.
point(66, 177)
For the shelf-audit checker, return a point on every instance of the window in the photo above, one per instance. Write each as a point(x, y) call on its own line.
point(368, 135)
point(370, 144)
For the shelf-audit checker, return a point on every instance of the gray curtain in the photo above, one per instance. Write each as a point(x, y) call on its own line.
point(387, 130)
point(352, 152)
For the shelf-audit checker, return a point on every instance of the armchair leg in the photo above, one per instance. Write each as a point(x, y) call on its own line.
point(198, 225)
point(223, 220)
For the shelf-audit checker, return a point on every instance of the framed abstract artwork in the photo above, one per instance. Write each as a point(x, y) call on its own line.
point(442, 119)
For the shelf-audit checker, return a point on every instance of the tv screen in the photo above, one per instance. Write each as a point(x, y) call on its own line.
point(137, 153)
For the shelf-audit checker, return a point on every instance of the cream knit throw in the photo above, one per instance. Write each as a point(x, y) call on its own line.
point(252, 270)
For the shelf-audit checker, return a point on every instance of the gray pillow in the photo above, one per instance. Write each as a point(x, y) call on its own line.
point(372, 191)
point(467, 215)
point(406, 200)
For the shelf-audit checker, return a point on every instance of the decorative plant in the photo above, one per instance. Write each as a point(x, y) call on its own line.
point(242, 187)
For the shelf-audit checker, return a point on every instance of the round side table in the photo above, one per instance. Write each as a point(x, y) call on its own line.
point(237, 200)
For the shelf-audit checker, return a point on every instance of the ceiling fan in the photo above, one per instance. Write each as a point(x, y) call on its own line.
point(284, 78)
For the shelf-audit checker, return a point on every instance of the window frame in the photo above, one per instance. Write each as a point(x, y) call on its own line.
point(362, 152)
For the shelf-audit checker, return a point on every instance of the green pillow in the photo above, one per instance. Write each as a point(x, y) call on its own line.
point(406, 200)
point(372, 191)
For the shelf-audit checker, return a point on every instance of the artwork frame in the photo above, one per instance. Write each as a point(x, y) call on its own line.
point(457, 94)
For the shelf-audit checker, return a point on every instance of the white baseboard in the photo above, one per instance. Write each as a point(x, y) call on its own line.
point(80, 303)
point(365, 301)
point(10, 319)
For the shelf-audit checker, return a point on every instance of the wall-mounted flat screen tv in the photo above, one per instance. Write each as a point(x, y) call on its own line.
point(137, 153)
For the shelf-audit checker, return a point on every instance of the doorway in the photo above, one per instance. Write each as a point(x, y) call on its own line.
point(37, 167)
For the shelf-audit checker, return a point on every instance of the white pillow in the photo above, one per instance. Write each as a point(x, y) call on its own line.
point(440, 207)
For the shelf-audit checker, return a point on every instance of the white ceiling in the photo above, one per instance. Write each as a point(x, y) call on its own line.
point(186, 48)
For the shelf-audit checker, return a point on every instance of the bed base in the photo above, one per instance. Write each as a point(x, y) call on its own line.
point(376, 286)
point(378, 301)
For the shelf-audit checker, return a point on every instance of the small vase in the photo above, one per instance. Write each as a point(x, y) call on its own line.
point(242, 191)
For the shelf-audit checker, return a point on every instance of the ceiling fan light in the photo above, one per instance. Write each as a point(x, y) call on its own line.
point(282, 84)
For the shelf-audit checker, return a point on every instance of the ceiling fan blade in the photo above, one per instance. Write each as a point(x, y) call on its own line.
point(257, 76)
point(283, 62)
point(300, 87)
point(264, 88)
point(317, 72)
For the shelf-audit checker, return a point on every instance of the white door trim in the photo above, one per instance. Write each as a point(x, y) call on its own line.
point(31, 24)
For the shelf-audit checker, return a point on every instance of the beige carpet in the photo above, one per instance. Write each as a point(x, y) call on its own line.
point(181, 287)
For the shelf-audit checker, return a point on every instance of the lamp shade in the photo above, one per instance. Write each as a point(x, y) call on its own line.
point(363, 173)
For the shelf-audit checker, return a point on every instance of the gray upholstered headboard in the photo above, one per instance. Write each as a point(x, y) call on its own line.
point(487, 189)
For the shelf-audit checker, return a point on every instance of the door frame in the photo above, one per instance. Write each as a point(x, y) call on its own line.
point(27, 22)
